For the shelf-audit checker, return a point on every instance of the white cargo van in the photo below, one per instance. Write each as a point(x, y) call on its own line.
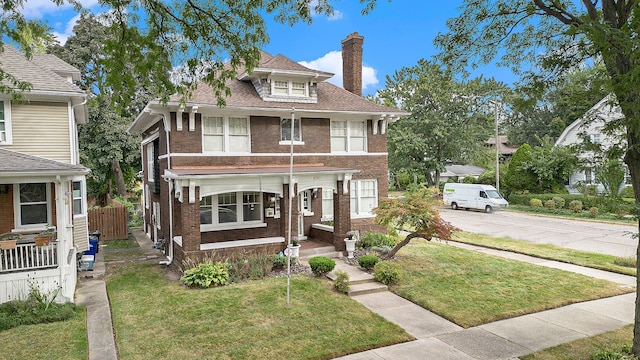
point(473, 196)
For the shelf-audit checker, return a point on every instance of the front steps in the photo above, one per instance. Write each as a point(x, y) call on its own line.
point(360, 282)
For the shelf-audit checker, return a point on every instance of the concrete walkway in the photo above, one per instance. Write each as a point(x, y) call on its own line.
point(436, 338)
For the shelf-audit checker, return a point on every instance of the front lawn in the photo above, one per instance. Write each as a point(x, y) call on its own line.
point(471, 288)
point(59, 340)
point(551, 252)
point(155, 318)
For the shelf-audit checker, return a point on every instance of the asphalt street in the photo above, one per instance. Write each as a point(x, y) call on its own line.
point(592, 236)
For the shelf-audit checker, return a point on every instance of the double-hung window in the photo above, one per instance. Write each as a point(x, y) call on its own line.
point(225, 134)
point(33, 210)
point(327, 204)
point(78, 198)
point(231, 209)
point(285, 131)
point(364, 197)
point(289, 88)
point(5, 122)
point(348, 136)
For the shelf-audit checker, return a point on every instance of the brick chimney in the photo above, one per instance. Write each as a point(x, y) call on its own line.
point(352, 63)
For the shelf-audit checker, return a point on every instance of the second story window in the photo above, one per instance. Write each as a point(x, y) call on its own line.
point(225, 134)
point(348, 136)
point(285, 130)
point(5, 122)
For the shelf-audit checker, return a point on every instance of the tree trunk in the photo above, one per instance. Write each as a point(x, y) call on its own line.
point(119, 177)
point(404, 242)
point(632, 159)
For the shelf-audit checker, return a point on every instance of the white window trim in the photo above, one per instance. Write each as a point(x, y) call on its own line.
point(348, 145)
point(18, 209)
point(7, 123)
point(290, 88)
point(150, 162)
point(357, 184)
point(288, 142)
point(226, 135)
point(240, 224)
point(83, 197)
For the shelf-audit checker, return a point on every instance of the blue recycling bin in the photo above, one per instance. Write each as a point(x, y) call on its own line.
point(94, 241)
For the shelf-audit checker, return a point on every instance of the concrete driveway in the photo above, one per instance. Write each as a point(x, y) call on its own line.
point(592, 236)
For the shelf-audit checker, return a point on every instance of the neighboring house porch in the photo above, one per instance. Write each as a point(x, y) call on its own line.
point(36, 192)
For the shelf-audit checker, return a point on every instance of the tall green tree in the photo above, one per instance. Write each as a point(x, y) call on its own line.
point(449, 118)
point(557, 36)
point(105, 147)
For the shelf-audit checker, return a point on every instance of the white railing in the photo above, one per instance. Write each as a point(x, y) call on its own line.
point(25, 257)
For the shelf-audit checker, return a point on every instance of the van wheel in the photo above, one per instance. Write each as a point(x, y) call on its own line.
point(488, 209)
point(454, 206)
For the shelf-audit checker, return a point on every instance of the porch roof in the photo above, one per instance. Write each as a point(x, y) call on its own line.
point(218, 172)
point(13, 163)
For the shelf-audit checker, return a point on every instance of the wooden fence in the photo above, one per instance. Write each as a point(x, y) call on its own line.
point(112, 222)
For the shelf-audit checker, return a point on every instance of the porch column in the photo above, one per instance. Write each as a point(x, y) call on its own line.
point(341, 216)
point(190, 219)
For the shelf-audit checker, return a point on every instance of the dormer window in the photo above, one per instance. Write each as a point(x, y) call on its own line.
point(289, 88)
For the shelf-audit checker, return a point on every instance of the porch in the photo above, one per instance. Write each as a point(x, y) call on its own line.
point(26, 256)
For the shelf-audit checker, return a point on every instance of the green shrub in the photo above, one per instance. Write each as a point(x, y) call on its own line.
point(367, 262)
point(469, 180)
point(627, 192)
point(205, 275)
point(387, 272)
point(38, 308)
point(252, 266)
point(559, 202)
point(535, 203)
point(593, 211)
point(550, 204)
point(603, 203)
point(341, 283)
point(374, 239)
point(575, 206)
point(278, 262)
point(321, 265)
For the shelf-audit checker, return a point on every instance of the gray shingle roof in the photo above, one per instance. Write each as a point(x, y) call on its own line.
point(56, 65)
point(330, 97)
point(40, 77)
point(17, 162)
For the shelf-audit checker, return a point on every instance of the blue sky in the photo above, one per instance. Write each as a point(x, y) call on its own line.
point(396, 34)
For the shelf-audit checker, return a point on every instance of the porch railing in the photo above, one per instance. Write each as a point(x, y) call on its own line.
point(28, 256)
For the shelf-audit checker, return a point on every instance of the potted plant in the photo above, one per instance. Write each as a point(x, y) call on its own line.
point(45, 236)
point(350, 241)
point(9, 240)
point(294, 249)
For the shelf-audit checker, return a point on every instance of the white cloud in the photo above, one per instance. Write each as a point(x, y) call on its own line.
point(37, 9)
point(68, 30)
point(337, 15)
point(332, 62)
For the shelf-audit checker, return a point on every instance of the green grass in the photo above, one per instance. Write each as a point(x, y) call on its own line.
point(64, 340)
point(546, 251)
point(159, 319)
point(129, 243)
point(470, 288)
point(583, 349)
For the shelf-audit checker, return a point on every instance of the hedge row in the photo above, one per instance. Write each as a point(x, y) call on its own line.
point(604, 204)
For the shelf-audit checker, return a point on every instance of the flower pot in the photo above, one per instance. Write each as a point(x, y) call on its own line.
point(351, 247)
point(8, 244)
point(294, 251)
point(42, 240)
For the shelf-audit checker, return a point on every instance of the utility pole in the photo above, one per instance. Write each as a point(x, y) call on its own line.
point(497, 149)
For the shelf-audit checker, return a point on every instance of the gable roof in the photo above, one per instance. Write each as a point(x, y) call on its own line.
point(13, 163)
point(605, 110)
point(42, 78)
point(56, 65)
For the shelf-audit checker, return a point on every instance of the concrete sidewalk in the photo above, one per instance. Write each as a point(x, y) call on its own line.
point(438, 338)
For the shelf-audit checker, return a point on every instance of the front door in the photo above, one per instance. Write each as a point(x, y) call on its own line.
point(304, 208)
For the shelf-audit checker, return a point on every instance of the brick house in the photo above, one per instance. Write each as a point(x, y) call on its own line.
point(41, 180)
point(219, 178)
